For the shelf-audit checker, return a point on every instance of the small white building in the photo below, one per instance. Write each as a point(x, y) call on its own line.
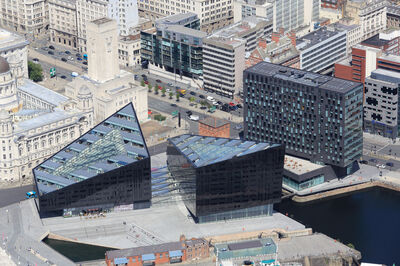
point(129, 50)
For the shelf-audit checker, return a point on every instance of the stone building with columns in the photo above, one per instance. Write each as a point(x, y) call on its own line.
point(112, 87)
point(35, 121)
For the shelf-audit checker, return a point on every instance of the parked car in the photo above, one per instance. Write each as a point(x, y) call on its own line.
point(35, 60)
point(189, 113)
point(194, 117)
point(84, 62)
point(70, 58)
point(63, 77)
point(146, 82)
point(239, 105)
point(193, 93)
point(78, 55)
point(169, 84)
point(50, 52)
point(210, 98)
point(174, 105)
point(215, 103)
point(158, 80)
point(144, 76)
point(79, 59)
point(64, 59)
point(219, 102)
point(31, 194)
point(74, 74)
point(51, 47)
point(390, 164)
point(201, 96)
point(67, 52)
point(363, 162)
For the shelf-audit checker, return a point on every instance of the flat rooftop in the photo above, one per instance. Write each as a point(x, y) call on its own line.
point(201, 150)
point(115, 142)
point(303, 77)
point(10, 40)
point(375, 41)
point(390, 57)
point(185, 30)
point(299, 166)
point(100, 21)
point(173, 19)
point(315, 37)
point(213, 122)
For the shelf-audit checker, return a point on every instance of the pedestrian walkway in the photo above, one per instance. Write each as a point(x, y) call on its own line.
point(5, 259)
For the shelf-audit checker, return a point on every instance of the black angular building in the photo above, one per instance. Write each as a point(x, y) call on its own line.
point(316, 117)
point(222, 179)
point(106, 168)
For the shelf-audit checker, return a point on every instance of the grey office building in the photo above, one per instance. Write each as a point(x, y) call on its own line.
point(381, 103)
point(317, 117)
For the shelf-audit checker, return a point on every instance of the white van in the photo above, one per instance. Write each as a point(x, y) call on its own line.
point(210, 98)
point(194, 118)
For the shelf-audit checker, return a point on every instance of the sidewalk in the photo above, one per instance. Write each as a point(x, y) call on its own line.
point(185, 103)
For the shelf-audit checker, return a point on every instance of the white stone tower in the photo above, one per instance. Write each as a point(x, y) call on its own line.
point(8, 88)
point(102, 47)
point(17, 69)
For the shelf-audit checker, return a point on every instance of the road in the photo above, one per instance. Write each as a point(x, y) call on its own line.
point(379, 150)
point(13, 195)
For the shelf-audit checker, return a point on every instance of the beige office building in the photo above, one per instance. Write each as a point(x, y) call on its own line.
point(213, 14)
point(25, 16)
point(63, 27)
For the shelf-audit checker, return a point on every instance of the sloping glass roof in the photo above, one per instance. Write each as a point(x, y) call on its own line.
point(115, 142)
point(201, 150)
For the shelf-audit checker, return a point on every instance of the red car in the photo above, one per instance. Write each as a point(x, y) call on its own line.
point(146, 82)
point(231, 104)
point(159, 87)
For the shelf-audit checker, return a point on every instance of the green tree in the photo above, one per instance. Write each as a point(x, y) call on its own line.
point(35, 71)
point(192, 99)
point(142, 83)
point(350, 245)
point(177, 95)
point(156, 88)
point(149, 86)
point(171, 94)
point(203, 103)
point(163, 91)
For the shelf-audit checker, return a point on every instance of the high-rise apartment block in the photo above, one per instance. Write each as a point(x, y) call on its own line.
point(213, 14)
point(317, 117)
point(175, 45)
point(25, 16)
point(224, 54)
point(381, 103)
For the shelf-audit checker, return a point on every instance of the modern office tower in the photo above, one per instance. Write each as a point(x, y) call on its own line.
point(107, 167)
point(175, 45)
point(317, 117)
point(224, 54)
point(222, 179)
point(25, 16)
point(212, 14)
point(381, 103)
point(320, 49)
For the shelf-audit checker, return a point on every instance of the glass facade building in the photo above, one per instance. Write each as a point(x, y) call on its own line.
point(109, 166)
point(222, 179)
point(175, 44)
point(317, 117)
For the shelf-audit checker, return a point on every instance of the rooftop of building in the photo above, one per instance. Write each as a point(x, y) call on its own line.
point(174, 249)
point(201, 150)
point(10, 40)
point(173, 19)
point(115, 142)
point(37, 90)
point(100, 21)
point(385, 72)
point(130, 38)
point(239, 29)
point(393, 9)
point(345, 61)
point(317, 36)
point(342, 26)
point(303, 77)
point(367, 48)
point(213, 122)
point(390, 57)
point(186, 31)
point(242, 248)
point(299, 166)
point(375, 41)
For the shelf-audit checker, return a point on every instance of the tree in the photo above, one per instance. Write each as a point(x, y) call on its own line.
point(35, 71)
point(156, 88)
point(163, 91)
point(142, 83)
point(203, 103)
point(350, 245)
point(171, 94)
point(149, 86)
point(192, 99)
point(177, 95)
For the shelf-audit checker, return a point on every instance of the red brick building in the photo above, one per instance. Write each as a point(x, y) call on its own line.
point(214, 127)
point(173, 252)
